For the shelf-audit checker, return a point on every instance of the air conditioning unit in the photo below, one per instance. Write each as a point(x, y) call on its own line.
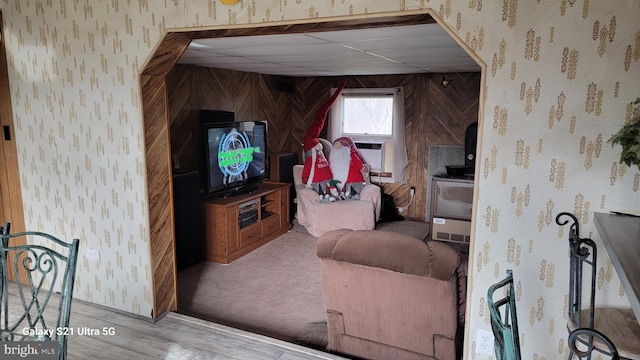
point(373, 153)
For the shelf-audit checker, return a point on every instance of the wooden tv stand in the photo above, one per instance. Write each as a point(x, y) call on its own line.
point(237, 225)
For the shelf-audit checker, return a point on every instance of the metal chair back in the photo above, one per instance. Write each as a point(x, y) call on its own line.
point(42, 265)
point(504, 320)
point(583, 259)
point(4, 229)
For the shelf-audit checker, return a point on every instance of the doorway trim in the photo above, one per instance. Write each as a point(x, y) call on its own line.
point(11, 206)
point(154, 95)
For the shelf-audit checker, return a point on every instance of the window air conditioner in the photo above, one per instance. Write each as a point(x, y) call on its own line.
point(373, 153)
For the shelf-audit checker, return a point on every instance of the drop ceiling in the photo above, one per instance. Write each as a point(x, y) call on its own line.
point(425, 48)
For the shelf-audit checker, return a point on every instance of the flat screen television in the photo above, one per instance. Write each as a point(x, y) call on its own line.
point(235, 157)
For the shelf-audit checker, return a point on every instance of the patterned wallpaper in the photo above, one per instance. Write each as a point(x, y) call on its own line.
point(559, 78)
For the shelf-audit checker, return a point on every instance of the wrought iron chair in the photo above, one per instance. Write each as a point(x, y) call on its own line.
point(504, 321)
point(611, 331)
point(588, 337)
point(42, 266)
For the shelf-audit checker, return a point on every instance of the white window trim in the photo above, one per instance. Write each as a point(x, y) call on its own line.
point(398, 132)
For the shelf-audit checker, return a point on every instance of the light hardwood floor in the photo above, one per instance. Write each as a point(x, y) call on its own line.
point(174, 336)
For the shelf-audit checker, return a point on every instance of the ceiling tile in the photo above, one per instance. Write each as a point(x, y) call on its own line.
point(399, 50)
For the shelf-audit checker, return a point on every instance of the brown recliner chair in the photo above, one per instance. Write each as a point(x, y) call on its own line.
point(391, 296)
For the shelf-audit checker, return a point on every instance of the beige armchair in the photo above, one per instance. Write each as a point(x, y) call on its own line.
point(392, 296)
point(319, 217)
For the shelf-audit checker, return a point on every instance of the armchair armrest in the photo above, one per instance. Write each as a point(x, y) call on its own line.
point(372, 193)
point(305, 198)
point(306, 194)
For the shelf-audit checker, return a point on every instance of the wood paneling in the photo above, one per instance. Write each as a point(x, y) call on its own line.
point(11, 208)
point(433, 115)
point(453, 108)
point(159, 197)
point(310, 94)
point(158, 164)
point(165, 57)
point(255, 97)
point(182, 118)
point(250, 96)
point(273, 106)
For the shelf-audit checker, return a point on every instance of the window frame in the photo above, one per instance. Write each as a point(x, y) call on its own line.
point(382, 93)
point(397, 161)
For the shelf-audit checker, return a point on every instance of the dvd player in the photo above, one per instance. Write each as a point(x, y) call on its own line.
point(247, 218)
point(248, 205)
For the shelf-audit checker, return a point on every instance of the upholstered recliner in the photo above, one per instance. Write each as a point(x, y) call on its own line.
point(319, 217)
point(391, 296)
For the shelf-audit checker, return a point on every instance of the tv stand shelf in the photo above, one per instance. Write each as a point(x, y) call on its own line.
point(234, 226)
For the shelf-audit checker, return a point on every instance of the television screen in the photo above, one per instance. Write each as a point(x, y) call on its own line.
point(236, 155)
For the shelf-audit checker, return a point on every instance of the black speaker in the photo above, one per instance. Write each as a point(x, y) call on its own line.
point(281, 170)
point(188, 219)
point(215, 116)
point(284, 86)
point(281, 167)
point(470, 141)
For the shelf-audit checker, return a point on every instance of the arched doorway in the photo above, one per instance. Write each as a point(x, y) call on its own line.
point(157, 143)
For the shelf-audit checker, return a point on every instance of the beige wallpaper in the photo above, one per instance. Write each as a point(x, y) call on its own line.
point(559, 78)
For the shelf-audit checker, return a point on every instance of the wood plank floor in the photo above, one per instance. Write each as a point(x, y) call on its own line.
point(174, 336)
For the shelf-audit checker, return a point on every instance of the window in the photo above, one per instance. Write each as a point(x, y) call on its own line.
point(374, 119)
point(368, 116)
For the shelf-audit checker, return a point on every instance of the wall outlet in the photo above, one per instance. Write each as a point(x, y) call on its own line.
point(484, 342)
point(412, 191)
point(93, 254)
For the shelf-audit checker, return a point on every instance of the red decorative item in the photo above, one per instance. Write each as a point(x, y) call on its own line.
point(316, 167)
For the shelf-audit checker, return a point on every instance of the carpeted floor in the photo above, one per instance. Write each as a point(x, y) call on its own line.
point(275, 290)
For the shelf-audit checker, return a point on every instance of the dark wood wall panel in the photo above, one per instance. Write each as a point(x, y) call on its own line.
point(434, 115)
point(155, 108)
point(309, 95)
point(158, 181)
point(250, 96)
point(274, 107)
point(452, 109)
point(416, 141)
point(219, 89)
point(184, 141)
point(11, 207)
